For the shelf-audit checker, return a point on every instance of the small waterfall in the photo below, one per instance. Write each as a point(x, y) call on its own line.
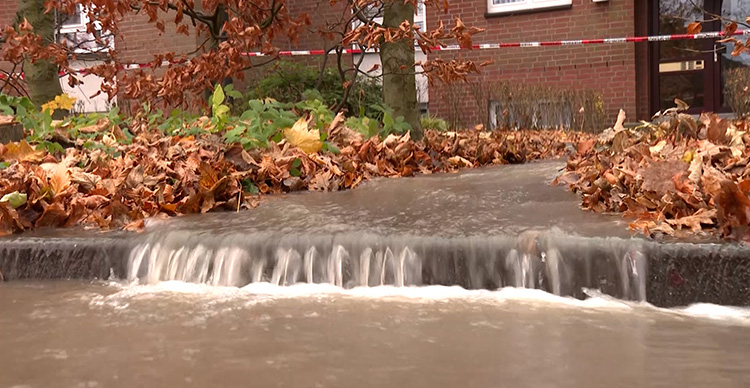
point(335, 263)
point(364, 267)
point(287, 268)
point(559, 264)
point(553, 261)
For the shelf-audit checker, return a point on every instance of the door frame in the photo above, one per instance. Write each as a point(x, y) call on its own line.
point(713, 93)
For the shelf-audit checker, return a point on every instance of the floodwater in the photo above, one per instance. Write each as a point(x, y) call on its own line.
point(487, 228)
point(174, 334)
point(499, 200)
point(352, 289)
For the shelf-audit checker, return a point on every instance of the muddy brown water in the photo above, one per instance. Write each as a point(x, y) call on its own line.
point(81, 334)
point(351, 289)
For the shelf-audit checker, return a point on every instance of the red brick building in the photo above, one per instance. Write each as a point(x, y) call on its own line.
point(640, 78)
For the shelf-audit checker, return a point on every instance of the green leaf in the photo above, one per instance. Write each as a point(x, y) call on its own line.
point(234, 134)
point(218, 96)
point(14, 199)
point(296, 163)
point(4, 165)
point(20, 111)
point(249, 186)
point(388, 120)
point(331, 148)
point(221, 111)
point(256, 105)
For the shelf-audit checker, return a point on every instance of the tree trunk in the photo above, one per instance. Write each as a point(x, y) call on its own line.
point(41, 77)
point(399, 84)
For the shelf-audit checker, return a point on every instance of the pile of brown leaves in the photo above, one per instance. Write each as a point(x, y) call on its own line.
point(167, 176)
point(675, 176)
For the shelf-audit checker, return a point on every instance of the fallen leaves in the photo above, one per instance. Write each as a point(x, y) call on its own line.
point(162, 176)
point(673, 176)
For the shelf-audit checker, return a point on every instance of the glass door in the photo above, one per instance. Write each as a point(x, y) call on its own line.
point(685, 67)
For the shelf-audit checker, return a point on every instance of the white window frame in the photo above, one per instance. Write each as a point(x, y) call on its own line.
point(526, 5)
point(66, 28)
point(81, 27)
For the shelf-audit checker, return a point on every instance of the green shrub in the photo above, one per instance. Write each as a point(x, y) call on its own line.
point(432, 122)
point(293, 82)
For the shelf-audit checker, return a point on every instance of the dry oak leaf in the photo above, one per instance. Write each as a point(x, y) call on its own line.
point(702, 216)
point(657, 177)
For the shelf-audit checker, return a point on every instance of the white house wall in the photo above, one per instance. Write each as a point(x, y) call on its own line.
point(83, 92)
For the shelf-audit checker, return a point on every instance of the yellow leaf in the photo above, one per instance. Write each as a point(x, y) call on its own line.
point(65, 101)
point(687, 157)
point(303, 138)
point(50, 106)
point(62, 101)
point(23, 152)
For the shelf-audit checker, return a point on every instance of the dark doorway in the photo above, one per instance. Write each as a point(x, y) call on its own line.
point(694, 71)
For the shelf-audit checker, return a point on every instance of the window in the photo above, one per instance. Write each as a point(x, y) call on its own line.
point(509, 6)
point(73, 32)
point(73, 23)
point(420, 17)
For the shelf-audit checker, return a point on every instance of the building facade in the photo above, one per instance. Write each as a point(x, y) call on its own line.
point(640, 78)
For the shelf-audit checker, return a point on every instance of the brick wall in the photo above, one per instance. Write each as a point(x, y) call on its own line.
point(139, 40)
point(7, 11)
point(610, 69)
point(323, 17)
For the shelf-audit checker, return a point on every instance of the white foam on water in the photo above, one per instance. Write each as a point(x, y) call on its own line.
point(267, 292)
point(718, 312)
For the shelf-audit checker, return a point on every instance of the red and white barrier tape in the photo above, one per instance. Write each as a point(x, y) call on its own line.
point(484, 46)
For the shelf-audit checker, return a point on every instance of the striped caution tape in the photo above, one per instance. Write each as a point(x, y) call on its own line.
point(483, 46)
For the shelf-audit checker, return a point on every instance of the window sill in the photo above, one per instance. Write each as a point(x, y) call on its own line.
point(496, 14)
